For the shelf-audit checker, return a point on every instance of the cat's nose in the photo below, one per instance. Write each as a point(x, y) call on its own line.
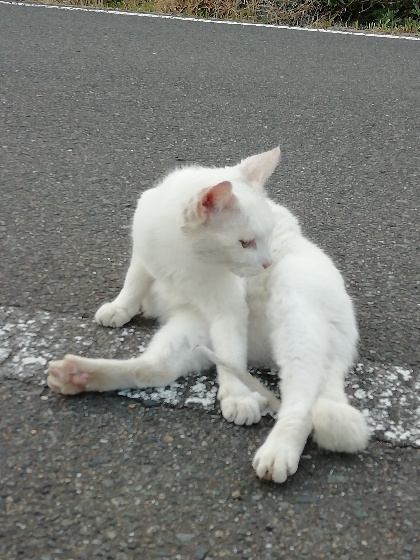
point(266, 264)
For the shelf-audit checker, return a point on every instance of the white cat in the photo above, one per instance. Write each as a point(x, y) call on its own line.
point(221, 265)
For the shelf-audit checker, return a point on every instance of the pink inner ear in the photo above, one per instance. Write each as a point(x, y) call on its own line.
point(208, 200)
point(218, 197)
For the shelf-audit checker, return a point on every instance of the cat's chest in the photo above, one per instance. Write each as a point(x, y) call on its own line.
point(258, 297)
point(258, 289)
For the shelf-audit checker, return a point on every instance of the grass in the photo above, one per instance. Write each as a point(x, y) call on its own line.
point(395, 16)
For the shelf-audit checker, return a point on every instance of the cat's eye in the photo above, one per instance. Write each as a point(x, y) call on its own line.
point(251, 244)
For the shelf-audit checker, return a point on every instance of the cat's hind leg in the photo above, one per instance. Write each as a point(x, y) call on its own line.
point(170, 354)
point(118, 312)
point(338, 426)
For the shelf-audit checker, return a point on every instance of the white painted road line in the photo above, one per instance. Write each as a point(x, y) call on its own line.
point(354, 33)
point(389, 395)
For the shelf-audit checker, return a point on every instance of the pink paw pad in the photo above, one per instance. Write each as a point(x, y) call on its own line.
point(66, 378)
point(74, 375)
point(80, 378)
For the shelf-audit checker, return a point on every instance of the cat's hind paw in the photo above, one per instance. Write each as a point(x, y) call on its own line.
point(244, 409)
point(276, 461)
point(110, 315)
point(339, 427)
point(66, 377)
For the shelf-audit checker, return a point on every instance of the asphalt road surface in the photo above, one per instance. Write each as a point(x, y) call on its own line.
point(96, 108)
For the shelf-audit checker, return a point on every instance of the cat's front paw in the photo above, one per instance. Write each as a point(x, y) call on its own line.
point(243, 409)
point(110, 315)
point(276, 460)
point(66, 377)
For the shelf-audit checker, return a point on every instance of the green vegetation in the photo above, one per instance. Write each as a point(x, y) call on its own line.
point(402, 16)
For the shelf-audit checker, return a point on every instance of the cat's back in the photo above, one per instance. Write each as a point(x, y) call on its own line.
point(161, 205)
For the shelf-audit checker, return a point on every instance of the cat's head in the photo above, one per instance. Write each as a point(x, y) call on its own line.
point(231, 223)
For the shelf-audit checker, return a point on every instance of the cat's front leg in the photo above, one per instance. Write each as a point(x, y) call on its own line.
point(238, 403)
point(228, 332)
point(118, 312)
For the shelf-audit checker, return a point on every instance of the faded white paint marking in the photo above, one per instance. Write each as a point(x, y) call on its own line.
point(388, 395)
point(200, 394)
point(354, 33)
point(170, 395)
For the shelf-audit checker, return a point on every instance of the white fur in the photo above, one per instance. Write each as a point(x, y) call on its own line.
point(190, 270)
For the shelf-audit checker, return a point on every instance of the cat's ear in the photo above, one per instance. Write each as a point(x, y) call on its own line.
point(257, 169)
point(208, 201)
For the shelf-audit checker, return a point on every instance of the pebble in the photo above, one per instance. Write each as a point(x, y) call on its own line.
point(102, 460)
point(337, 478)
point(283, 505)
point(219, 534)
point(150, 403)
point(200, 553)
point(256, 497)
point(185, 537)
point(107, 482)
point(307, 499)
point(360, 514)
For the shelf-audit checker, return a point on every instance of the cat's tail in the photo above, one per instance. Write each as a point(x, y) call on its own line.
point(339, 426)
